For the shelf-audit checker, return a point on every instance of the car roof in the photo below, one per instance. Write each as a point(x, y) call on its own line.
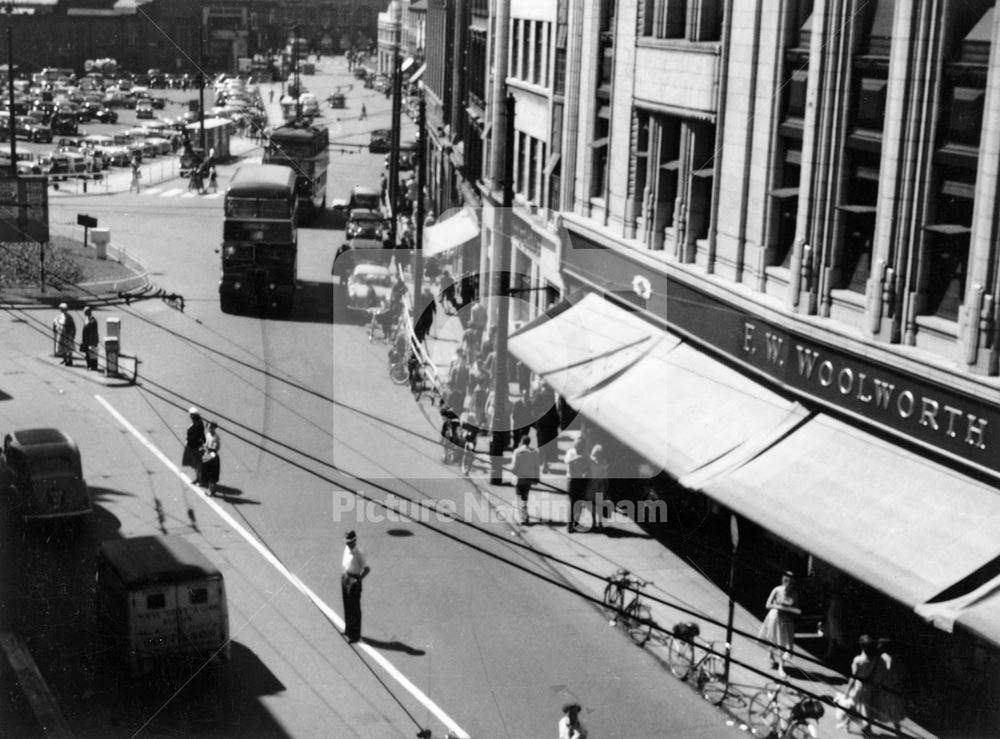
point(364, 214)
point(42, 441)
point(372, 268)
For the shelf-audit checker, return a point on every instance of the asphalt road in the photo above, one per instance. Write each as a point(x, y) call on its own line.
point(487, 635)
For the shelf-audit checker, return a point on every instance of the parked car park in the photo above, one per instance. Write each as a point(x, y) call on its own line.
point(380, 141)
point(144, 109)
point(26, 127)
point(42, 476)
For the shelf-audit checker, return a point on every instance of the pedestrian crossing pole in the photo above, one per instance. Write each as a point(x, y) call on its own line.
point(500, 293)
point(418, 256)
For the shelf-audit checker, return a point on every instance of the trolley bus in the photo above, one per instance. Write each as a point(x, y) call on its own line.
point(306, 149)
point(259, 239)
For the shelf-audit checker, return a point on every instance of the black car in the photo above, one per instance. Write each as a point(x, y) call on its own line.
point(105, 115)
point(364, 224)
point(380, 141)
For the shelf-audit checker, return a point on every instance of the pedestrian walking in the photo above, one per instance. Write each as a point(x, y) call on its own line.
point(89, 338)
point(213, 183)
point(426, 316)
point(525, 464)
point(546, 416)
point(889, 686)
point(355, 569)
point(64, 328)
point(857, 698)
point(576, 481)
point(570, 726)
point(136, 176)
point(778, 628)
point(597, 473)
point(194, 442)
point(210, 462)
point(364, 113)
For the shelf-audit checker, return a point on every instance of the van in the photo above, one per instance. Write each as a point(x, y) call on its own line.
point(160, 600)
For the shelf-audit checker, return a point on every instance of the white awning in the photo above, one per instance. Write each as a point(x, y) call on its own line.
point(450, 233)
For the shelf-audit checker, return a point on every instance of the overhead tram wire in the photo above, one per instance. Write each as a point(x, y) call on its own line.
point(186, 402)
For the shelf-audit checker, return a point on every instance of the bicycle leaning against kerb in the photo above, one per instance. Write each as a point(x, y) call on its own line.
point(706, 672)
point(778, 711)
point(633, 616)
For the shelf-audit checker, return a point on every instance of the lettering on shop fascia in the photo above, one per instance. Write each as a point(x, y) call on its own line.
point(860, 388)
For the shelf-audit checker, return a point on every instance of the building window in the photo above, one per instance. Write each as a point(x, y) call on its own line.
point(541, 49)
point(515, 48)
point(664, 18)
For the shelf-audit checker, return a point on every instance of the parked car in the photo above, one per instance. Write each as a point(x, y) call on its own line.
point(337, 100)
point(42, 476)
point(28, 128)
point(364, 197)
point(380, 141)
point(144, 109)
point(64, 124)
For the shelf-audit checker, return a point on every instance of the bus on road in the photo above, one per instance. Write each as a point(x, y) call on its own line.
point(259, 239)
point(306, 149)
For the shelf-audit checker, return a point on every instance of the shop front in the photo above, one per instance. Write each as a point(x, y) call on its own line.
point(869, 473)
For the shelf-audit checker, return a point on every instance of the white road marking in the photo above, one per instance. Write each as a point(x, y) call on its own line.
point(171, 192)
point(189, 194)
point(151, 191)
point(331, 615)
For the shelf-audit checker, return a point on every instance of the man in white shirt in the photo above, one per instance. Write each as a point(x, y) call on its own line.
point(355, 569)
point(570, 726)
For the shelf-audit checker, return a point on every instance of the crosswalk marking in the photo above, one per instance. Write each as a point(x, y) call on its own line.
point(171, 192)
point(181, 192)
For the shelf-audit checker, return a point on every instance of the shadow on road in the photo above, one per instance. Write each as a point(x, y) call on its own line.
point(394, 646)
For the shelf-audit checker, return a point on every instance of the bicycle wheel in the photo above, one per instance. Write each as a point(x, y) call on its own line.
point(712, 679)
point(764, 714)
point(398, 373)
point(680, 655)
point(638, 622)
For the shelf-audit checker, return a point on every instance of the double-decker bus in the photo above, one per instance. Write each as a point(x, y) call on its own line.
point(306, 149)
point(259, 239)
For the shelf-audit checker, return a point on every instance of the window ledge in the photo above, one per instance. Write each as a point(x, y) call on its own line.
point(518, 84)
point(679, 44)
point(942, 326)
point(848, 297)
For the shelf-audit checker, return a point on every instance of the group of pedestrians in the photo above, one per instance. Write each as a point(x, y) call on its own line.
point(876, 690)
point(64, 329)
point(201, 451)
point(198, 175)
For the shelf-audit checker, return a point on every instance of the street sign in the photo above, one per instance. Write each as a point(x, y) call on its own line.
point(86, 221)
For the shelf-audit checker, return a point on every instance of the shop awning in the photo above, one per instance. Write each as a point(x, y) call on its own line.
point(907, 526)
point(582, 342)
point(676, 405)
point(450, 233)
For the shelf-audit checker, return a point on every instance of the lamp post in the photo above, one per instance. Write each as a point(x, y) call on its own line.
point(9, 9)
point(201, 87)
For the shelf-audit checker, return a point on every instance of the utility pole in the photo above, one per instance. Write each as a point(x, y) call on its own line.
point(201, 88)
point(10, 90)
point(500, 294)
point(397, 93)
point(295, 72)
point(418, 257)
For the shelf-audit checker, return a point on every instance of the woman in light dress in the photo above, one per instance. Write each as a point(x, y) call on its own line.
point(778, 628)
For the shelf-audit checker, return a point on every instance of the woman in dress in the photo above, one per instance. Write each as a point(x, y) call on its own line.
point(210, 457)
point(778, 628)
point(888, 698)
point(859, 687)
point(195, 440)
point(597, 473)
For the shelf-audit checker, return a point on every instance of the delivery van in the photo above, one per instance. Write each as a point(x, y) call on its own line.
point(159, 600)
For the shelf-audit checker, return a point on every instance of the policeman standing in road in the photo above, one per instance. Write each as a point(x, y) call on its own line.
point(355, 570)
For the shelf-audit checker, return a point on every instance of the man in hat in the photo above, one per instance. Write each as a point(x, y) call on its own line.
point(65, 331)
point(569, 725)
point(355, 568)
point(90, 338)
point(195, 441)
